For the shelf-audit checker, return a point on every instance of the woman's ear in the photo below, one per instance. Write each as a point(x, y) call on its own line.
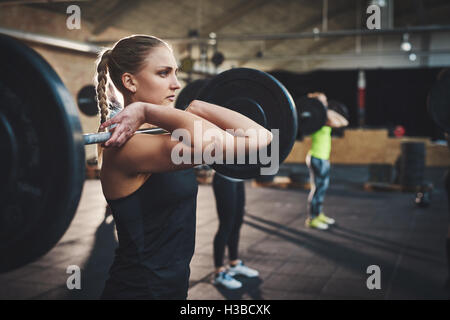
point(129, 82)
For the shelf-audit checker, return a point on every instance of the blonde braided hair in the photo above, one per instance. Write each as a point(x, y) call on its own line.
point(102, 79)
point(102, 98)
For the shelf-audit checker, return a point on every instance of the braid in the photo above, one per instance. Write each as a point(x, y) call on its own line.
point(102, 99)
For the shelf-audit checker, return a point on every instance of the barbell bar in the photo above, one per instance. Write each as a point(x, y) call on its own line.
point(311, 117)
point(100, 137)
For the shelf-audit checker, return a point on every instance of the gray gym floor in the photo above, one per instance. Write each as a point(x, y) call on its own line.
point(373, 228)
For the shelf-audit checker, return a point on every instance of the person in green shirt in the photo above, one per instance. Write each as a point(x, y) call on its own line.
point(318, 162)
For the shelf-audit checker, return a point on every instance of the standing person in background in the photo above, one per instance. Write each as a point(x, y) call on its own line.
point(318, 162)
point(230, 203)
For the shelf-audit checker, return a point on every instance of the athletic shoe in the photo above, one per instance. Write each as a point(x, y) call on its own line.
point(241, 269)
point(225, 279)
point(316, 224)
point(322, 217)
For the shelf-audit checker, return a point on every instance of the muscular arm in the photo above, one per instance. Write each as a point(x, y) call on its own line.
point(153, 154)
point(209, 116)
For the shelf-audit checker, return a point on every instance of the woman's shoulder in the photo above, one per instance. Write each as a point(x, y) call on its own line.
point(117, 180)
point(133, 143)
point(146, 153)
point(117, 158)
point(139, 152)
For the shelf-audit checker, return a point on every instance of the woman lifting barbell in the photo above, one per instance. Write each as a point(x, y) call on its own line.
point(318, 163)
point(153, 200)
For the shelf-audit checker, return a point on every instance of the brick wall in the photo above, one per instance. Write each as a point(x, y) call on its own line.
point(359, 146)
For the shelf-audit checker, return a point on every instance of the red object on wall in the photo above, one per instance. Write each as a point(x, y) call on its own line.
point(361, 89)
point(399, 131)
point(361, 98)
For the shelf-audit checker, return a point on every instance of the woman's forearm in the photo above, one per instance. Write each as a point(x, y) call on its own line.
point(228, 119)
point(222, 117)
point(171, 119)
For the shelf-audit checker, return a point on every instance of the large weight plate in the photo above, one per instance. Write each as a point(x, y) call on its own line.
point(189, 93)
point(439, 102)
point(312, 115)
point(41, 119)
point(260, 97)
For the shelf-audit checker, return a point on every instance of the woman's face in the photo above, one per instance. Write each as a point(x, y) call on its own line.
point(157, 82)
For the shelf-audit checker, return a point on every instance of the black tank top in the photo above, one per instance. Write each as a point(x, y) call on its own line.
point(156, 231)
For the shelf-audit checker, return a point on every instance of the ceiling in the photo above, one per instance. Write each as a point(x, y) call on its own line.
point(173, 20)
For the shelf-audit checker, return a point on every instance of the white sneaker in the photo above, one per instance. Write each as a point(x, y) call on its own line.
point(241, 269)
point(322, 217)
point(226, 280)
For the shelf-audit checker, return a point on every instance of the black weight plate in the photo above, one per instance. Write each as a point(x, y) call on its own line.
point(8, 160)
point(312, 115)
point(50, 152)
point(189, 93)
point(439, 103)
point(260, 97)
point(87, 102)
